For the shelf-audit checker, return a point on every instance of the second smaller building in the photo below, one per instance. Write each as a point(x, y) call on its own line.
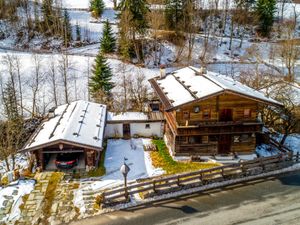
point(134, 124)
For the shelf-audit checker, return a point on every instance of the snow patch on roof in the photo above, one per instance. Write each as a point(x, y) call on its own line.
point(189, 84)
point(80, 122)
point(111, 116)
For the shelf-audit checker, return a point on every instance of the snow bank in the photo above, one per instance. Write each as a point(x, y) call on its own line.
point(15, 194)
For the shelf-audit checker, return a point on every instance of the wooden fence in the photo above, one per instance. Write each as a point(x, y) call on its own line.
point(173, 183)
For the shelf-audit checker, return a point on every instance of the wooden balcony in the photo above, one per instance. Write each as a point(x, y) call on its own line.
point(195, 124)
point(220, 128)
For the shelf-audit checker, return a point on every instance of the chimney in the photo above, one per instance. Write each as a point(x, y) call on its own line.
point(51, 113)
point(203, 70)
point(162, 71)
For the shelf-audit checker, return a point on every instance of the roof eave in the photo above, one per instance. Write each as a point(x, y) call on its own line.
point(30, 149)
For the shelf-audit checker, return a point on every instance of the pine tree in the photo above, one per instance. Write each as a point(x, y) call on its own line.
point(174, 13)
point(10, 102)
point(133, 23)
point(100, 84)
point(47, 11)
point(97, 8)
point(108, 41)
point(78, 32)
point(265, 10)
point(67, 28)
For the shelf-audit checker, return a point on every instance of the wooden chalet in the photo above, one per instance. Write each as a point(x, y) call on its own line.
point(207, 113)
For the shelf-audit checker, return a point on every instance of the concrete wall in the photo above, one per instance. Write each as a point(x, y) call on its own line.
point(113, 130)
point(139, 129)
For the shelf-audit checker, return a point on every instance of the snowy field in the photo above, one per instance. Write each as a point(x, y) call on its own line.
point(83, 4)
point(138, 161)
point(12, 196)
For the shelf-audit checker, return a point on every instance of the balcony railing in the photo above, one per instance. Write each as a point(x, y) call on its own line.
point(195, 124)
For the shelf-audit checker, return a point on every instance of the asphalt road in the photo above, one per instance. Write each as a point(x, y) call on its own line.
point(271, 201)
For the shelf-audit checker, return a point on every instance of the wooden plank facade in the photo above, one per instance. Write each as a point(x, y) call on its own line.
point(208, 114)
point(220, 125)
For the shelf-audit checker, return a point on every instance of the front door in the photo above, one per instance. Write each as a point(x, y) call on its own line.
point(226, 115)
point(224, 144)
point(126, 130)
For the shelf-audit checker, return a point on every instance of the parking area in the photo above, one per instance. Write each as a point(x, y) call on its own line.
point(51, 163)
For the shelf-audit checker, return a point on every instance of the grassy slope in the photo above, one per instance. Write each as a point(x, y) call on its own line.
point(162, 159)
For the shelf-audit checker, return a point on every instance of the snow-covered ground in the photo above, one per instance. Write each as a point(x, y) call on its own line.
point(12, 195)
point(20, 162)
point(78, 72)
point(83, 4)
point(138, 161)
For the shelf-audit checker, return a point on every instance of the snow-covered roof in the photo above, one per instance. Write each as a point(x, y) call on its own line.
point(79, 122)
point(127, 116)
point(189, 84)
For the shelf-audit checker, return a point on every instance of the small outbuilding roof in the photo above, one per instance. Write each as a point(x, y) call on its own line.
point(189, 84)
point(79, 123)
point(137, 117)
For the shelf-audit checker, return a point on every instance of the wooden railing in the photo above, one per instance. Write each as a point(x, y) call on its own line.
point(279, 146)
point(168, 184)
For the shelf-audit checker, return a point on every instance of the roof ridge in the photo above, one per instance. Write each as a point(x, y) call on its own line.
point(215, 82)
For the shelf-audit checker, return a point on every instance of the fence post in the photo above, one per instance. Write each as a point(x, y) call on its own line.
point(178, 181)
point(154, 189)
point(297, 157)
point(200, 178)
point(222, 172)
point(262, 164)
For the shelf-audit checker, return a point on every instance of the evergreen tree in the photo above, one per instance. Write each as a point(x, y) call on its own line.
point(78, 32)
point(10, 102)
point(67, 28)
point(108, 41)
point(174, 13)
point(47, 11)
point(138, 10)
point(265, 10)
point(133, 23)
point(97, 7)
point(100, 84)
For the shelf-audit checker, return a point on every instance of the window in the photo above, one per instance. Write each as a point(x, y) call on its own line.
point(147, 126)
point(213, 138)
point(206, 114)
point(247, 113)
point(195, 140)
point(154, 107)
point(245, 138)
point(196, 109)
point(236, 139)
point(204, 139)
point(186, 115)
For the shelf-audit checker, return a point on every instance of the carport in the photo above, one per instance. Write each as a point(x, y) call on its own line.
point(75, 128)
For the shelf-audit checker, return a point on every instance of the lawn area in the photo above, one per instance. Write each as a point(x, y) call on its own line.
point(162, 159)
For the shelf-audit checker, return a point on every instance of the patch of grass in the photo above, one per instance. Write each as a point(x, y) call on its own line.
point(50, 193)
point(162, 159)
point(24, 199)
point(101, 170)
